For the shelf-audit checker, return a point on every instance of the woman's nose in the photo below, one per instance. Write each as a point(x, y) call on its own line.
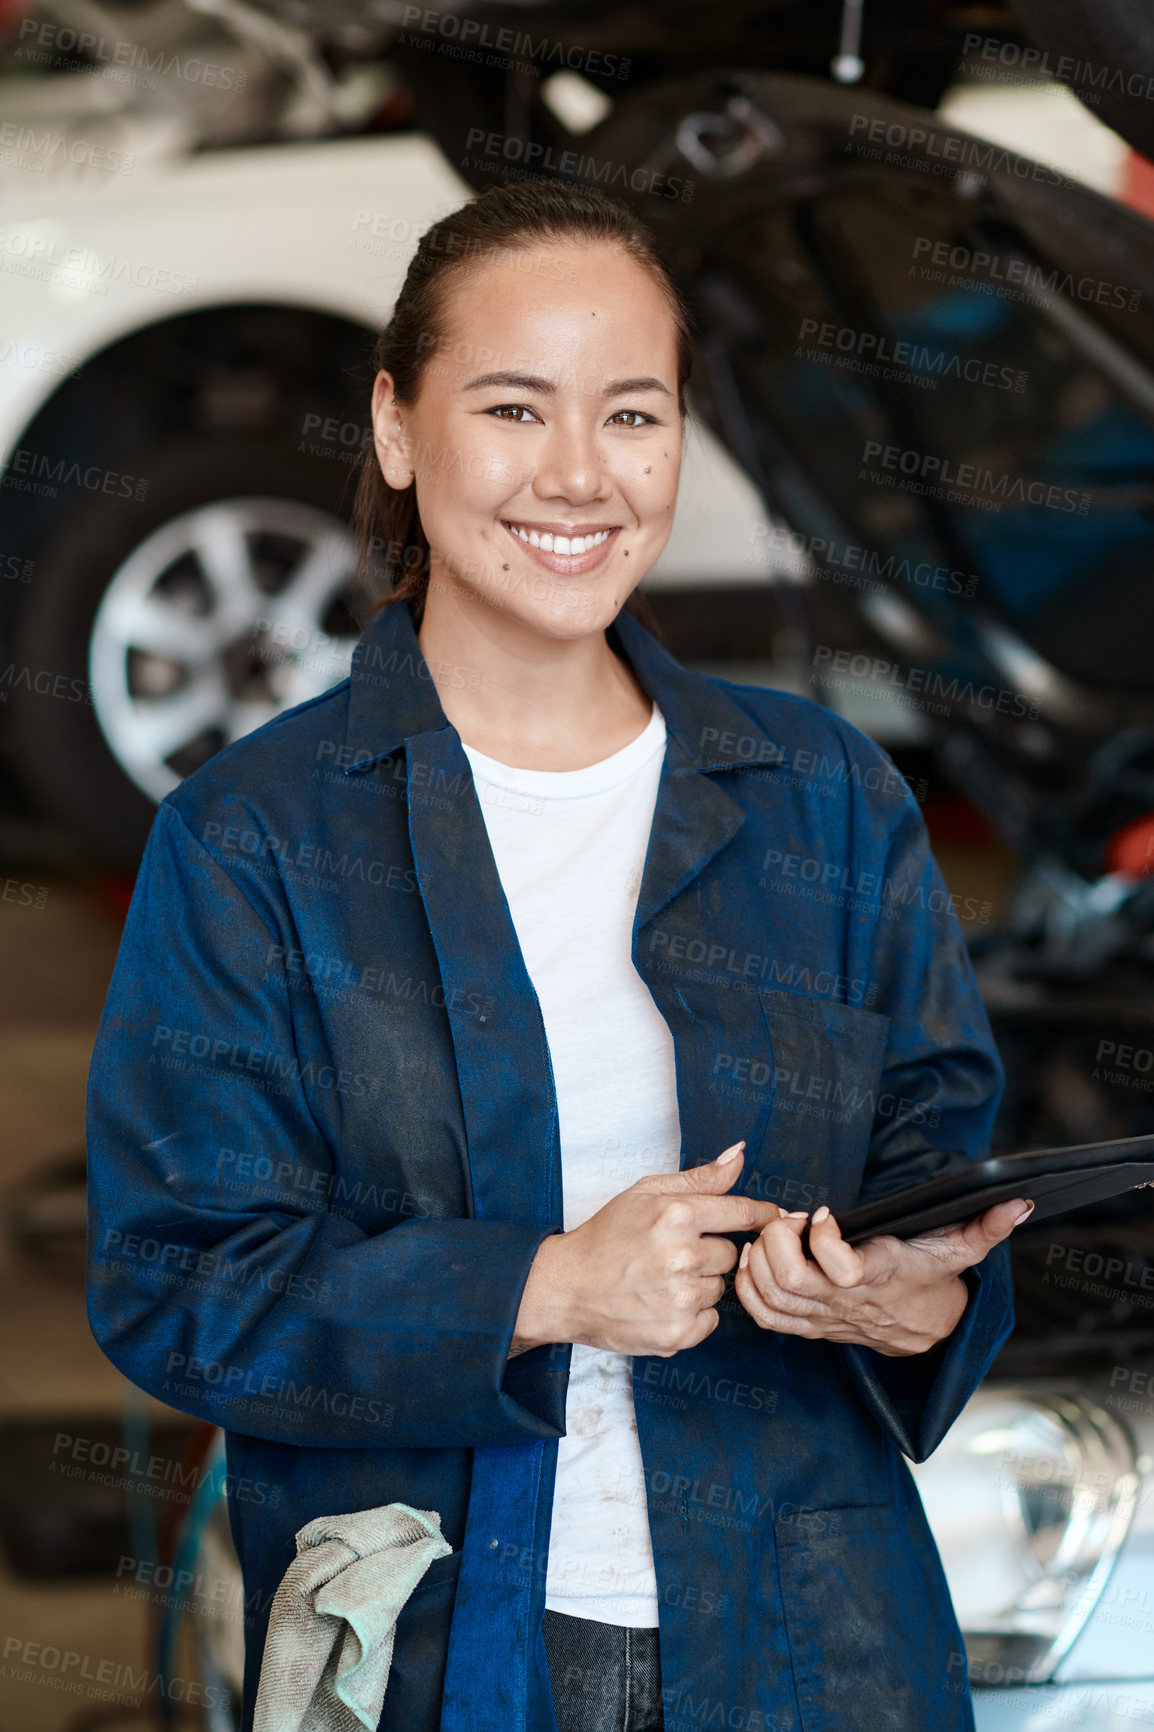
point(572, 466)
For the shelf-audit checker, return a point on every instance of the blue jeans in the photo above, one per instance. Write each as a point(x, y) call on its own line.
point(605, 1677)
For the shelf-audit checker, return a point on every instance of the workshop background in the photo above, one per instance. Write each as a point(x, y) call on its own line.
point(916, 237)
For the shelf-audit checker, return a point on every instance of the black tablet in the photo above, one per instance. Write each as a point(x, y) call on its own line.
point(1054, 1180)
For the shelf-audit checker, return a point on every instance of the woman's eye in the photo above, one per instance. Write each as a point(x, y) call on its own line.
point(520, 413)
point(512, 411)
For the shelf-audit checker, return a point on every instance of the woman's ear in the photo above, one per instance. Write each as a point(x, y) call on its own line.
point(389, 441)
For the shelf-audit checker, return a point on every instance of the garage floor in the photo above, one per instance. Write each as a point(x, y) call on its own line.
point(56, 960)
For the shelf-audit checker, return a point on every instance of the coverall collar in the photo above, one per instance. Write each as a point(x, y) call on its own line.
point(393, 696)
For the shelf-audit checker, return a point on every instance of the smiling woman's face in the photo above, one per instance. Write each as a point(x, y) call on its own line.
point(547, 415)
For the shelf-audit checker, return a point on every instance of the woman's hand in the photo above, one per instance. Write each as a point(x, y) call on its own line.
point(644, 1273)
point(897, 1296)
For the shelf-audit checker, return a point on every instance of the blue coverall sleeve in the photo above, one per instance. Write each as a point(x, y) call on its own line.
point(943, 1070)
point(287, 1323)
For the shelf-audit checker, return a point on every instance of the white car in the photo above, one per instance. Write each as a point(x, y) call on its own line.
point(184, 408)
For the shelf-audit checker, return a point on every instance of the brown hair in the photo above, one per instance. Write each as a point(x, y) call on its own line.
point(502, 219)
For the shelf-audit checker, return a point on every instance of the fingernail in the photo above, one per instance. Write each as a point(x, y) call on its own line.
point(744, 1258)
point(730, 1154)
point(795, 1214)
point(821, 1214)
point(1024, 1215)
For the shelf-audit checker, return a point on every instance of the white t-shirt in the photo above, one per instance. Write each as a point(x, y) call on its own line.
point(569, 847)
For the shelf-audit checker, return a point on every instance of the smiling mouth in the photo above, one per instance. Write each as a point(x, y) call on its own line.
point(572, 546)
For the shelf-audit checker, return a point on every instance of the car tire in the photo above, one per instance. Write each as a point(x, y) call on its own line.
point(60, 743)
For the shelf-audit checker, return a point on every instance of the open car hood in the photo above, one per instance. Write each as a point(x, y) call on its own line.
point(935, 357)
point(1102, 49)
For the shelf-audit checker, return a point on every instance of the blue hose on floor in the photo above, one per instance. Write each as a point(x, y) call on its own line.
point(141, 1508)
point(205, 1498)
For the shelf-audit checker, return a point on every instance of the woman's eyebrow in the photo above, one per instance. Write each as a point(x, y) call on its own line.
point(630, 387)
point(548, 387)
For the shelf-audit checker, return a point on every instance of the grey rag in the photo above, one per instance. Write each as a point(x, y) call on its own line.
point(330, 1634)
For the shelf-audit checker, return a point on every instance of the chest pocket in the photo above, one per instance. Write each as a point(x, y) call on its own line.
point(825, 1064)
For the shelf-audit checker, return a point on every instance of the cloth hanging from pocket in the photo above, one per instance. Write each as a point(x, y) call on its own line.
point(333, 1620)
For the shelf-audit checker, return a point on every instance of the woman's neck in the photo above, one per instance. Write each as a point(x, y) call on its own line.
point(527, 700)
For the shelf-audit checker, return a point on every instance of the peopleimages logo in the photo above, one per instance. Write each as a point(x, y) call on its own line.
point(926, 472)
point(37, 150)
point(1020, 273)
point(924, 363)
point(520, 47)
point(917, 685)
point(84, 46)
point(530, 153)
point(1090, 78)
point(929, 150)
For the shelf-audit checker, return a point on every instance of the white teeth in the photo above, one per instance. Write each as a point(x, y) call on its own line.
point(572, 545)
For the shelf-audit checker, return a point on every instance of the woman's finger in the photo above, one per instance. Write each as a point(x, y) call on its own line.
point(963, 1246)
point(992, 1226)
point(717, 1256)
point(844, 1266)
point(778, 1268)
point(768, 1315)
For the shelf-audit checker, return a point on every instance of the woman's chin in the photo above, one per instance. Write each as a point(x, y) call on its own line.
point(551, 607)
point(577, 614)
